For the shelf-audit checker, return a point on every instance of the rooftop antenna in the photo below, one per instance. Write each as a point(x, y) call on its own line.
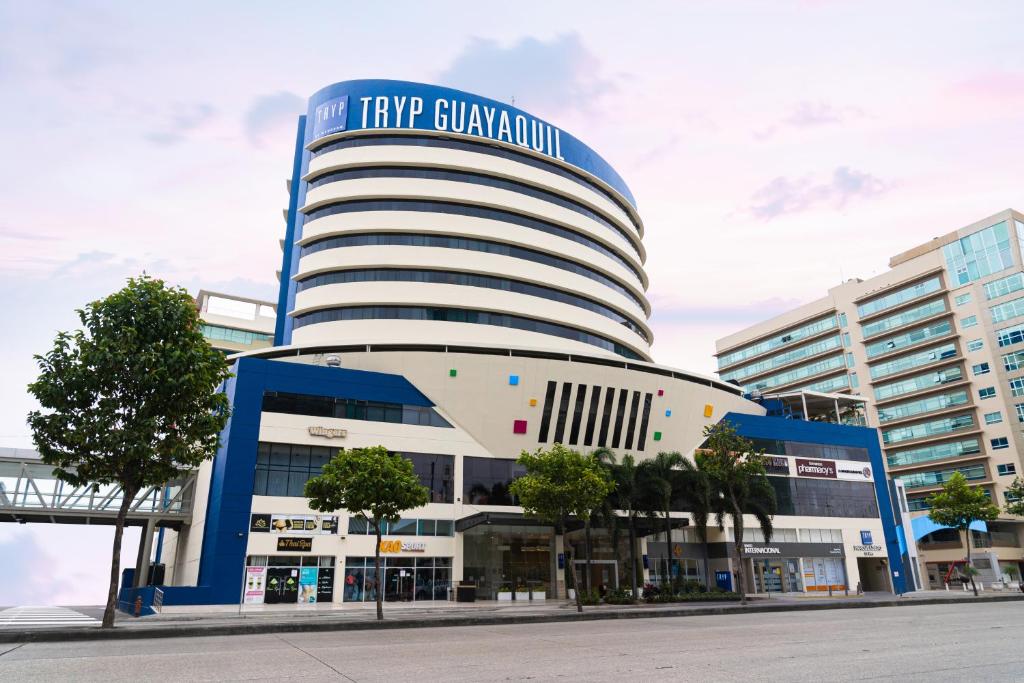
point(513, 100)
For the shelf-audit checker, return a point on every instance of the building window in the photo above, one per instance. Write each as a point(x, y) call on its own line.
point(980, 369)
point(351, 409)
point(906, 339)
point(854, 382)
point(969, 321)
point(1017, 386)
point(993, 418)
point(987, 392)
point(1008, 310)
point(849, 360)
point(1013, 361)
point(846, 339)
point(963, 299)
point(975, 345)
point(1001, 442)
point(919, 358)
point(925, 310)
point(842, 320)
point(979, 254)
point(808, 330)
point(1010, 335)
point(918, 383)
point(914, 456)
point(921, 430)
point(898, 297)
point(1004, 286)
point(485, 481)
point(1006, 469)
point(1020, 412)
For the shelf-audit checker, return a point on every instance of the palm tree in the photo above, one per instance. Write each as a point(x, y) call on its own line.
point(605, 514)
point(629, 498)
point(660, 476)
point(737, 484)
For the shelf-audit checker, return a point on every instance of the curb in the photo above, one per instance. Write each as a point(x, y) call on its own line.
point(251, 628)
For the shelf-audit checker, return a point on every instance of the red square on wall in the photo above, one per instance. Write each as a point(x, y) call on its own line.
point(519, 427)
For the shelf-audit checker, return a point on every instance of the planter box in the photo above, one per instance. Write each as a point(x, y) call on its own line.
point(538, 595)
point(523, 596)
point(503, 595)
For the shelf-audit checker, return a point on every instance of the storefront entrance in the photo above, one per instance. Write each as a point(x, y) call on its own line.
point(506, 558)
point(777, 576)
point(874, 574)
point(406, 579)
point(602, 573)
point(288, 579)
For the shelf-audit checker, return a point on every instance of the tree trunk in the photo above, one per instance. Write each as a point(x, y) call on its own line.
point(737, 528)
point(632, 556)
point(970, 567)
point(667, 582)
point(378, 579)
point(575, 581)
point(128, 496)
point(586, 548)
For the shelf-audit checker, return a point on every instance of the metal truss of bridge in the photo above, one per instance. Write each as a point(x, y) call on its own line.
point(30, 493)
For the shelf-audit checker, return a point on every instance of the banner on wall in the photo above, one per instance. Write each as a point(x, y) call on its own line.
point(293, 524)
point(255, 585)
point(307, 584)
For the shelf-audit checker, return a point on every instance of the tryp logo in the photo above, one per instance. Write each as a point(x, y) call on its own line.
point(330, 117)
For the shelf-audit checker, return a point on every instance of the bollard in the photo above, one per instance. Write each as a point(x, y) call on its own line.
point(947, 586)
point(830, 590)
point(981, 586)
point(138, 606)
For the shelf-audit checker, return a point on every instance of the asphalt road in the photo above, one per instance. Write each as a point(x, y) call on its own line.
point(968, 642)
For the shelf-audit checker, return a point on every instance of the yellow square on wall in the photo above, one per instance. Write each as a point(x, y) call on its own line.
point(708, 410)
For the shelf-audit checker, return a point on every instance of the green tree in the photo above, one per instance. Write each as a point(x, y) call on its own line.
point(628, 497)
point(737, 484)
point(957, 506)
point(1015, 497)
point(604, 514)
point(373, 485)
point(660, 477)
point(560, 484)
point(132, 400)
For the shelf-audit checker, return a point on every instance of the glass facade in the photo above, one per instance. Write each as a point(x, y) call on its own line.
point(503, 559)
point(1010, 335)
point(938, 427)
point(219, 333)
point(797, 374)
point(899, 297)
point(979, 254)
point(1003, 286)
point(925, 310)
point(915, 456)
point(938, 478)
point(922, 405)
point(788, 337)
point(404, 526)
point(485, 481)
point(351, 409)
point(470, 280)
point(906, 339)
point(1014, 308)
point(462, 315)
point(406, 579)
point(786, 358)
point(919, 383)
point(830, 384)
point(824, 497)
point(912, 361)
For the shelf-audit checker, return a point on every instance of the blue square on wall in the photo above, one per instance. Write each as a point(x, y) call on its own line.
point(513, 380)
point(668, 413)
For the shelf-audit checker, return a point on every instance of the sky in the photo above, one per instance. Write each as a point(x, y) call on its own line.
point(774, 149)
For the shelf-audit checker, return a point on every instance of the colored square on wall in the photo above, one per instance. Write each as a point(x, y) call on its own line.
point(452, 372)
point(661, 392)
point(668, 413)
point(519, 427)
point(533, 402)
point(708, 409)
point(513, 380)
point(657, 436)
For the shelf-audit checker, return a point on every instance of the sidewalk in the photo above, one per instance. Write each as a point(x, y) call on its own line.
point(207, 623)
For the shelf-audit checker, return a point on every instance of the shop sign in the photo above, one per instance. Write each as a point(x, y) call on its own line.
point(328, 432)
point(865, 537)
point(792, 550)
point(293, 524)
point(307, 585)
point(867, 549)
point(255, 585)
point(395, 546)
point(774, 464)
point(301, 545)
point(822, 469)
point(853, 471)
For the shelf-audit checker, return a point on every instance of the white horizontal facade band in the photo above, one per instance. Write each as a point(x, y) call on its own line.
point(474, 298)
point(327, 139)
point(455, 260)
point(474, 162)
point(421, 189)
point(422, 222)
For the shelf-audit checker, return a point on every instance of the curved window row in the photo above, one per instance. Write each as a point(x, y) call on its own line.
point(795, 374)
point(790, 336)
point(953, 449)
point(919, 383)
point(457, 209)
point(912, 361)
point(475, 179)
point(922, 405)
point(899, 297)
point(461, 315)
point(926, 310)
point(782, 359)
point(943, 425)
point(469, 280)
point(467, 146)
point(910, 338)
point(445, 242)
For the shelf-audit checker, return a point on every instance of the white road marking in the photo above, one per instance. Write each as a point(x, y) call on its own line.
point(35, 617)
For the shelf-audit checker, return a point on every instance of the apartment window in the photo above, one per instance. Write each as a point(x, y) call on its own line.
point(979, 254)
point(921, 405)
point(1017, 386)
point(1006, 469)
point(808, 330)
point(842, 320)
point(906, 339)
point(918, 383)
point(963, 299)
point(1020, 412)
point(1004, 286)
point(1010, 335)
point(898, 297)
point(975, 345)
point(993, 418)
point(922, 430)
point(846, 339)
point(1001, 442)
point(813, 349)
point(987, 392)
point(941, 451)
point(1013, 361)
point(849, 360)
point(913, 360)
point(969, 321)
point(925, 310)
point(939, 477)
point(854, 382)
point(1008, 310)
point(980, 369)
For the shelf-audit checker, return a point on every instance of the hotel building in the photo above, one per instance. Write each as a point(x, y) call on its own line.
point(936, 346)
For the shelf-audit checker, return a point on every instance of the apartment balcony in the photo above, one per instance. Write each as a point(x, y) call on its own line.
point(908, 325)
point(817, 336)
point(917, 370)
point(939, 463)
point(903, 284)
point(920, 393)
point(930, 414)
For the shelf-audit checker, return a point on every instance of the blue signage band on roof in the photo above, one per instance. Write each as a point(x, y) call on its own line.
point(389, 105)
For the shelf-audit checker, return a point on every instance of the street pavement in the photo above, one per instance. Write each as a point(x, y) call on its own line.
point(18, 618)
point(967, 641)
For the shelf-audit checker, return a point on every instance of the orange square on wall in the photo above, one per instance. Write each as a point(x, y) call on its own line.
point(708, 410)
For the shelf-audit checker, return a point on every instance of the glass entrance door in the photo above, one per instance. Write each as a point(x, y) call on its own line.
point(768, 575)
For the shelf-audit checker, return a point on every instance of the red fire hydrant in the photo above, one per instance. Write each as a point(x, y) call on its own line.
point(138, 606)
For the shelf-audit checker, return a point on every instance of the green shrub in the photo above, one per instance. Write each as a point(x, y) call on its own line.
point(591, 598)
point(619, 596)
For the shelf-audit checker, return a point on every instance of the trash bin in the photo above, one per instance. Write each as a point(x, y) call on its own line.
point(465, 592)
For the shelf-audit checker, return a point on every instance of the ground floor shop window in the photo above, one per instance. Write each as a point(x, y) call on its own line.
point(821, 573)
point(777, 576)
point(506, 558)
point(288, 579)
point(405, 579)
